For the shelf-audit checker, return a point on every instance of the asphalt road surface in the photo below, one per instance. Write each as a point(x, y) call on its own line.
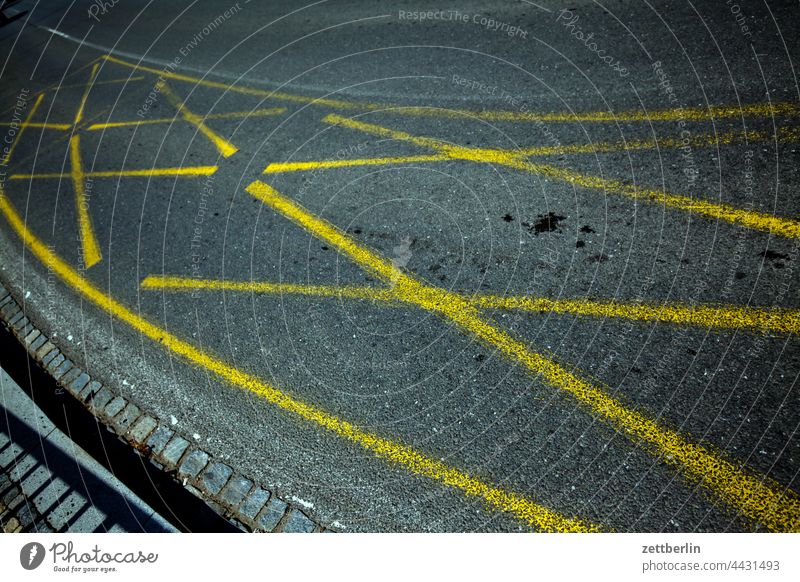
point(453, 266)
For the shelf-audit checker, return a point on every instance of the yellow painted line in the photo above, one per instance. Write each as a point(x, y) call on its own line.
point(764, 319)
point(784, 135)
point(82, 106)
point(695, 114)
point(89, 245)
point(756, 496)
point(40, 125)
point(688, 114)
point(185, 172)
point(109, 82)
point(776, 225)
point(224, 147)
point(55, 175)
point(751, 219)
point(335, 103)
point(772, 319)
point(347, 292)
point(22, 127)
point(277, 168)
point(265, 112)
point(393, 452)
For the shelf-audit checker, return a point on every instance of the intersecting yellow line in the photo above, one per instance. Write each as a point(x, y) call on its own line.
point(763, 319)
point(784, 135)
point(406, 457)
point(755, 220)
point(225, 148)
point(277, 168)
point(22, 127)
point(687, 114)
point(91, 249)
point(59, 126)
point(182, 172)
point(755, 496)
point(109, 82)
point(82, 106)
point(264, 112)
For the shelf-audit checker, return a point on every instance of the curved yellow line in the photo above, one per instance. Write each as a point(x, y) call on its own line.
point(395, 453)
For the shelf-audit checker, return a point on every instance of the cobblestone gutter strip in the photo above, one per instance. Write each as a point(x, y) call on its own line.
point(241, 500)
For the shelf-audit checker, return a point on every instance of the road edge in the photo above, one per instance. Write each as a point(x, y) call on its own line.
point(248, 505)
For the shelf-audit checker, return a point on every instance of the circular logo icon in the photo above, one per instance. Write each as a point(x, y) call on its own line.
point(31, 555)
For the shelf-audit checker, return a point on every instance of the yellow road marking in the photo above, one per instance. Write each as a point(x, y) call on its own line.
point(22, 127)
point(751, 219)
point(185, 172)
point(757, 497)
point(224, 147)
point(764, 319)
point(265, 112)
point(91, 249)
point(109, 82)
point(82, 106)
point(401, 455)
point(39, 125)
point(302, 166)
point(785, 134)
point(688, 114)
point(697, 114)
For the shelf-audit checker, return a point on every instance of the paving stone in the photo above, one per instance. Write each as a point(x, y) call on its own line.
point(20, 322)
point(53, 365)
point(62, 368)
point(193, 463)
point(115, 406)
point(103, 397)
point(25, 516)
point(10, 321)
point(270, 516)
point(32, 335)
point(126, 418)
point(45, 350)
point(78, 384)
point(90, 390)
point(215, 477)
point(26, 329)
point(254, 503)
point(297, 522)
point(36, 344)
point(51, 356)
point(159, 439)
point(142, 428)
point(174, 450)
point(10, 310)
point(67, 378)
point(235, 491)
